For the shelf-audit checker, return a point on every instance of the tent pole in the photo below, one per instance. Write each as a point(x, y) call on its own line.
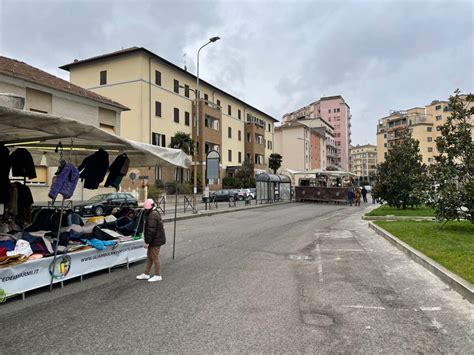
point(175, 211)
point(56, 246)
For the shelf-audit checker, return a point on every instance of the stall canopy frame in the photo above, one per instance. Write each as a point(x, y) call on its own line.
point(41, 133)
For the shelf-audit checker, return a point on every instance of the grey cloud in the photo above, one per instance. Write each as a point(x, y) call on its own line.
point(276, 55)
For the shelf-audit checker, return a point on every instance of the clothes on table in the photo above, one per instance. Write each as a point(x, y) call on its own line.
point(99, 244)
point(21, 247)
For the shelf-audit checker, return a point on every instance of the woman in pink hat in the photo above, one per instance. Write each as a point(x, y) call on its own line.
point(154, 239)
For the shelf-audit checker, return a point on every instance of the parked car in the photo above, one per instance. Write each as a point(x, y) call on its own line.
point(254, 192)
point(245, 193)
point(222, 195)
point(101, 205)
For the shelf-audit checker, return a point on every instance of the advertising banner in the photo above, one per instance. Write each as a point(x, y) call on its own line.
point(37, 273)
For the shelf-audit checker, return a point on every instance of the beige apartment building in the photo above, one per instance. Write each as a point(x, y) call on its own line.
point(305, 145)
point(46, 93)
point(364, 161)
point(424, 123)
point(161, 97)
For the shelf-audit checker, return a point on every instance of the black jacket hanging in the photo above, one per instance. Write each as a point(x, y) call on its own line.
point(93, 169)
point(118, 169)
point(5, 166)
point(22, 164)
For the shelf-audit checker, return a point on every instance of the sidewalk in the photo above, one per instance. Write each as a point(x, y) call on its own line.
point(222, 207)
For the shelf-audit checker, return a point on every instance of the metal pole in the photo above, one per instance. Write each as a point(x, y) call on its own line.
point(213, 39)
point(56, 246)
point(175, 212)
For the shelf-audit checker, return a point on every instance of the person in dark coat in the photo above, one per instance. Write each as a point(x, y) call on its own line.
point(350, 196)
point(154, 239)
point(364, 194)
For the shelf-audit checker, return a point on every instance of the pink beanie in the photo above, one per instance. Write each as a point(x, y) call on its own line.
point(148, 204)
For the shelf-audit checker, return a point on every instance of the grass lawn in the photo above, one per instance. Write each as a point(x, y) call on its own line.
point(385, 210)
point(451, 246)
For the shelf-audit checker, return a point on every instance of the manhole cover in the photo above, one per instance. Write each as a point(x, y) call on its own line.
point(320, 320)
point(300, 257)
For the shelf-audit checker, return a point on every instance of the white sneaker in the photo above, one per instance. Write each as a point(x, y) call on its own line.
point(143, 277)
point(155, 278)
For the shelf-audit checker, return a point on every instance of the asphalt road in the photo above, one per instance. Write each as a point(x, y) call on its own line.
point(299, 278)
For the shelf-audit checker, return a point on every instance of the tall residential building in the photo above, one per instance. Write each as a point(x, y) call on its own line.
point(161, 97)
point(424, 123)
point(335, 111)
point(305, 144)
point(364, 161)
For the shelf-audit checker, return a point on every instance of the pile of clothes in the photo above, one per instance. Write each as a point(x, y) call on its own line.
point(40, 238)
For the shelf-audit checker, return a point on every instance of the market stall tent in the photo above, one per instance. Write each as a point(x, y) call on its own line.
point(42, 132)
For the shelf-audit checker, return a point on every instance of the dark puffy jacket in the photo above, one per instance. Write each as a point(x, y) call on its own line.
point(22, 163)
point(93, 169)
point(65, 182)
point(154, 231)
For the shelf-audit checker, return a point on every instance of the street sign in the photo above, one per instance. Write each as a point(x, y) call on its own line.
point(212, 164)
point(143, 177)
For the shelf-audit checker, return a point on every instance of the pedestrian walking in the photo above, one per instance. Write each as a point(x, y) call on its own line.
point(350, 196)
point(154, 239)
point(364, 194)
point(357, 197)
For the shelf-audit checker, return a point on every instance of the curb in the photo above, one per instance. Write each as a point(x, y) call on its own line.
point(397, 218)
point(461, 286)
point(208, 214)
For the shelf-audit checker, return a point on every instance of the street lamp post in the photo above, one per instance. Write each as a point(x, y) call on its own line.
point(196, 121)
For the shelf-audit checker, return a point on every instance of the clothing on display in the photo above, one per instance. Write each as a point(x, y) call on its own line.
point(24, 202)
point(5, 166)
point(117, 170)
point(93, 169)
point(65, 181)
point(22, 163)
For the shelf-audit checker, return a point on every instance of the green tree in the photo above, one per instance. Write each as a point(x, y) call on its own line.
point(453, 170)
point(401, 179)
point(246, 174)
point(274, 162)
point(182, 141)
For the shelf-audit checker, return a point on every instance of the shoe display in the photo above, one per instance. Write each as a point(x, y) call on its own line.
point(155, 278)
point(143, 277)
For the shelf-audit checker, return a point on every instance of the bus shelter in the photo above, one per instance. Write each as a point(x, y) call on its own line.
point(271, 188)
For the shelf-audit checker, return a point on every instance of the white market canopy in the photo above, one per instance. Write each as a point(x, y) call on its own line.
point(321, 172)
point(43, 132)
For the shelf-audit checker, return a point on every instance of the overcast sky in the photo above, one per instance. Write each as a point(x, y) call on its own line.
point(276, 55)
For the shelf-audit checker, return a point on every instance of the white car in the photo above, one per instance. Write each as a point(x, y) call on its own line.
point(244, 193)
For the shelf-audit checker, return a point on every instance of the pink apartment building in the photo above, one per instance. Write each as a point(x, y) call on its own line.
point(335, 111)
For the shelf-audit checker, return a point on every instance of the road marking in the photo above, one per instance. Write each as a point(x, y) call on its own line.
point(430, 309)
point(299, 257)
point(319, 262)
point(359, 250)
point(359, 306)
